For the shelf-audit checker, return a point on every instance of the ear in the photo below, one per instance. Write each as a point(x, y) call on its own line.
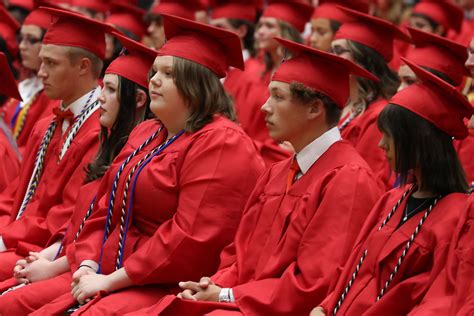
point(140, 99)
point(316, 110)
point(85, 66)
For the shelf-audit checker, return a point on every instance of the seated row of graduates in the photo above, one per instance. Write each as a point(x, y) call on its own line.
point(186, 196)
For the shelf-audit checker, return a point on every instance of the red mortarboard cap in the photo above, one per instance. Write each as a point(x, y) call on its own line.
point(443, 12)
point(38, 17)
point(8, 85)
point(320, 71)
point(96, 5)
point(128, 17)
point(185, 9)
point(8, 28)
point(244, 10)
point(26, 4)
point(436, 101)
point(438, 53)
point(293, 12)
point(73, 29)
point(371, 31)
point(134, 65)
point(212, 47)
point(327, 9)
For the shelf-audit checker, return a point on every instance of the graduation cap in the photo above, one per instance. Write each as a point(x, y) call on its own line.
point(234, 9)
point(184, 8)
point(73, 29)
point(295, 12)
point(128, 17)
point(328, 9)
point(443, 12)
point(39, 17)
point(25, 4)
point(438, 53)
point(96, 5)
point(436, 101)
point(371, 31)
point(135, 64)
point(8, 85)
point(212, 47)
point(320, 71)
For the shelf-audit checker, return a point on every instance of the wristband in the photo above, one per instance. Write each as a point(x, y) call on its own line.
point(226, 296)
point(88, 266)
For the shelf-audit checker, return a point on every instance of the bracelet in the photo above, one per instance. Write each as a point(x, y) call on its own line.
point(86, 265)
point(226, 295)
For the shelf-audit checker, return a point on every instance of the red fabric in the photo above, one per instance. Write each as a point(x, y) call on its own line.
point(8, 84)
point(464, 36)
point(290, 247)
point(364, 134)
point(74, 29)
point(296, 12)
point(465, 150)
point(29, 298)
point(39, 109)
point(329, 9)
point(128, 17)
point(214, 48)
point(294, 169)
point(10, 165)
point(186, 10)
point(319, 70)
point(243, 10)
point(434, 99)
point(8, 259)
point(422, 263)
point(452, 291)
point(196, 179)
point(53, 201)
point(446, 13)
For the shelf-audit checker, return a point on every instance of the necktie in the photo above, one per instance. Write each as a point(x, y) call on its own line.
point(294, 169)
point(63, 115)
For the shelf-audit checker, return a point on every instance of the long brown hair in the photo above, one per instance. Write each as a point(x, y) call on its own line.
point(203, 91)
point(112, 142)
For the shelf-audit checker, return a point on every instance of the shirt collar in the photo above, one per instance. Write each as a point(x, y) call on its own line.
point(77, 106)
point(311, 153)
point(245, 54)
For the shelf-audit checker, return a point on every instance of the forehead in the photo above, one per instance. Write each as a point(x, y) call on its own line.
point(110, 79)
point(279, 86)
point(31, 30)
point(320, 22)
point(221, 22)
point(268, 20)
point(53, 51)
point(161, 61)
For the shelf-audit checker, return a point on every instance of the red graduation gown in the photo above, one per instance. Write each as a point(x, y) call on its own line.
point(290, 247)
point(465, 150)
point(28, 299)
point(363, 133)
point(51, 205)
point(187, 204)
point(10, 164)
point(39, 109)
point(452, 293)
point(422, 263)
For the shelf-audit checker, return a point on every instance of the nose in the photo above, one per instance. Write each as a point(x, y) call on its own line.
point(266, 107)
point(41, 72)
point(381, 143)
point(151, 28)
point(102, 96)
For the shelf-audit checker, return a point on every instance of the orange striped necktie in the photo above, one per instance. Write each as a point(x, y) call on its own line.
point(294, 169)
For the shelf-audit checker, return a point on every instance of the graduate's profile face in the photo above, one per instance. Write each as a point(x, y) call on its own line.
point(470, 59)
point(285, 119)
point(321, 34)
point(30, 45)
point(267, 28)
point(58, 73)
point(109, 101)
point(420, 23)
point(340, 47)
point(156, 32)
point(388, 146)
point(166, 102)
point(407, 77)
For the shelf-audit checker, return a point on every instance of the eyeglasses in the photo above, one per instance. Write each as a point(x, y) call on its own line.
point(338, 50)
point(29, 40)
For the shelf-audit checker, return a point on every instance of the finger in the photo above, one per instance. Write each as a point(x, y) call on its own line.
point(187, 295)
point(17, 269)
point(205, 282)
point(22, 280)
point(190, 286)
point(21, 262)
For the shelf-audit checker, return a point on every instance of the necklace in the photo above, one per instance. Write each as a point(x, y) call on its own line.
point(409, 213)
